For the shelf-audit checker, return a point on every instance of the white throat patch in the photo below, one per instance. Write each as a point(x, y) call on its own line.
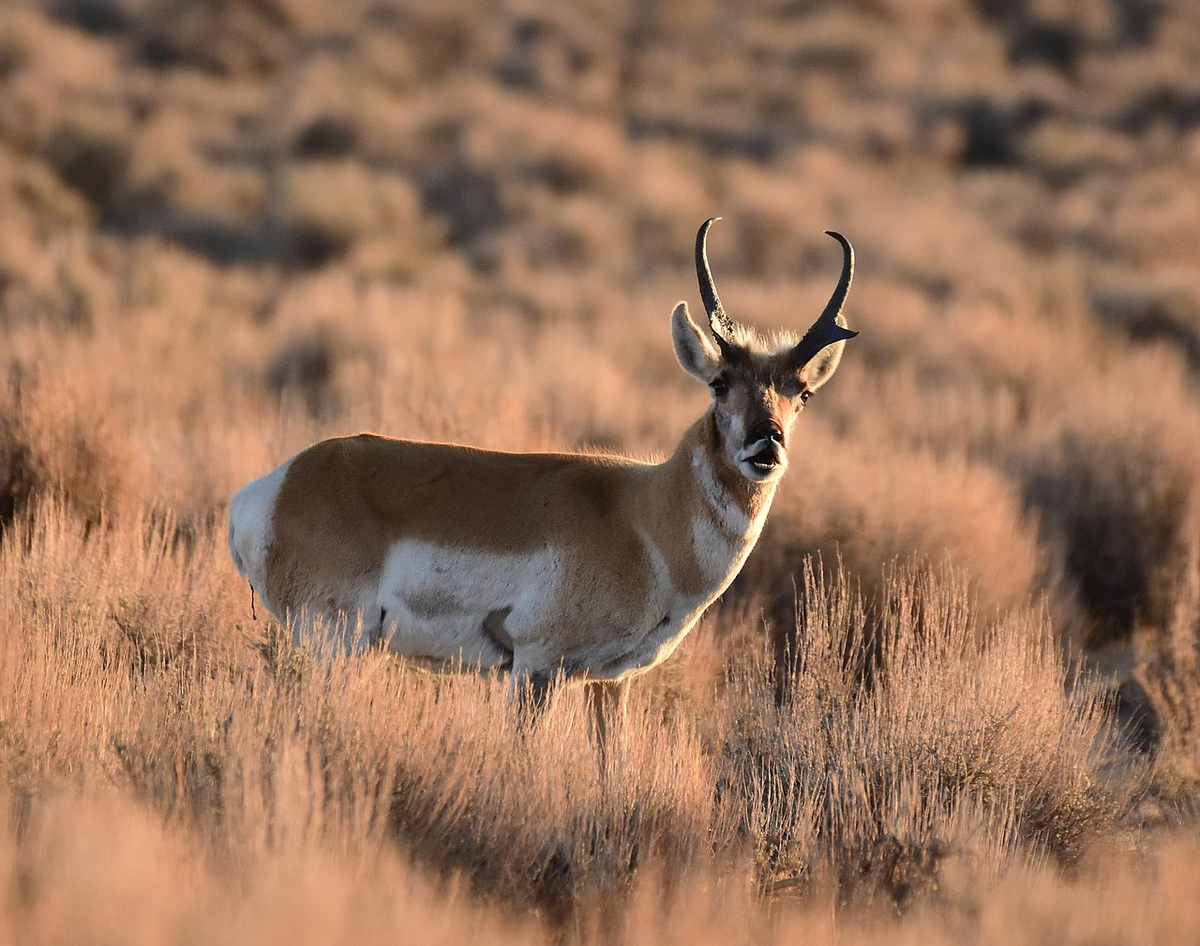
point(729, 514)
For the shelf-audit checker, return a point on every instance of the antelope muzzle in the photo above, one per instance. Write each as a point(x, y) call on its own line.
point(764, 455)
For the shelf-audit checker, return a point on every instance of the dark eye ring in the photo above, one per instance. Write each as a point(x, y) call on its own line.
point(804, 396)
point(719, 387)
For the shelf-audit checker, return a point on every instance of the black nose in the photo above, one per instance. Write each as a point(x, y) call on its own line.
point(767, 430)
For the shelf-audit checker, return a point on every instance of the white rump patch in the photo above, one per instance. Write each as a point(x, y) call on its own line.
point(251, 533)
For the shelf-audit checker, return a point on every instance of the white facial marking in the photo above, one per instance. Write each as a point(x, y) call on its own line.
point(732, 516)
point(737, 429)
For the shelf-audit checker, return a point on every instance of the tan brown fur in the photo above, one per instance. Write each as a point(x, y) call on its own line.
point(346, 501)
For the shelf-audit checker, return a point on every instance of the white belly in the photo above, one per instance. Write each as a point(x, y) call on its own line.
point(453, 605)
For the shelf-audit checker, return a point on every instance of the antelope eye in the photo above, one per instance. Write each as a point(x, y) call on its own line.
point(804, 396)
point(719, 386)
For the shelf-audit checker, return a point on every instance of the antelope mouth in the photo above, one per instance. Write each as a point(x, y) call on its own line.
point(762, 460)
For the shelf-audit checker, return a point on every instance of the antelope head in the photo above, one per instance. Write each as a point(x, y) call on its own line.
point(759, 383)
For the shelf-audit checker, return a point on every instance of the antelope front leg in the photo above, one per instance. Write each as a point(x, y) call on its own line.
point(607, 701)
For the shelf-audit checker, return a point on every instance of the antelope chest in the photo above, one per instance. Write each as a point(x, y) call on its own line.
point(684, 580)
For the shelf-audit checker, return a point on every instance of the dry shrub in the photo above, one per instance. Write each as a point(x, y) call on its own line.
point(306, 365)
point(326, 206)
point(134, 672)
point(54, 442)
point(48, 849)
point(216, 36)
point(1163, 315)
point(266, 757)
point(1142, 900)
point(159, 886)
point(1168, 672)
point(845, 506)
point(64, 105)
point(33, 191)
point(169, 186)
point(1127, 513)
point(966, 744)
point(464, 801)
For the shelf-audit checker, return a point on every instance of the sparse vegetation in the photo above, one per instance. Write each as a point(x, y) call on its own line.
point(955, 695)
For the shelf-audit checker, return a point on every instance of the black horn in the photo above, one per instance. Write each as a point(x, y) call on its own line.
point(830, 327)
point(720, 324)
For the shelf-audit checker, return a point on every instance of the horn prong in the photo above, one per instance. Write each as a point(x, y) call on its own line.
point(830, 326)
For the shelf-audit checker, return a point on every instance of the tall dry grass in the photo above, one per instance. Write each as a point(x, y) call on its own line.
point(131, 686)
point(954, 695)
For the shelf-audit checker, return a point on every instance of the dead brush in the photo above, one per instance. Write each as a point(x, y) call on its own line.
point(1171, 679)
point(1126, 510)
point(966, 744)
point(55, 444)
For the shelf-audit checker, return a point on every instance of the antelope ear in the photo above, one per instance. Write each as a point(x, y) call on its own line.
point(696, 353)
point(822, 365)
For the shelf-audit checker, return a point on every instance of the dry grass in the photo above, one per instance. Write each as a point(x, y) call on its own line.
point(955, 695)
point(129, 685)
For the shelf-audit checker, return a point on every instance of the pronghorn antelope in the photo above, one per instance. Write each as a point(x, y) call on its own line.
point(586, 566)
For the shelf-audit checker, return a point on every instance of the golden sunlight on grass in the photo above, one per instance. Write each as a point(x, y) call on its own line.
point(953, 697)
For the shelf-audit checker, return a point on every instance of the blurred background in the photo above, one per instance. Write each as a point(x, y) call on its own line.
point(231, 227)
